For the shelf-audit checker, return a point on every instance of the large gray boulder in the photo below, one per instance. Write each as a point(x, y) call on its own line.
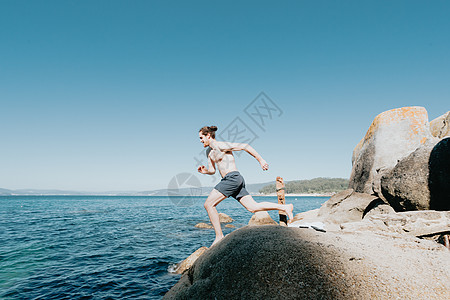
point(420, 181)
point(275, 262)
point(393, 135)
point(439, 177)
point(405, 186)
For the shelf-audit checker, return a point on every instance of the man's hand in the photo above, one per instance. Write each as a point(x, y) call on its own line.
point(202, 169)
point(264, 165)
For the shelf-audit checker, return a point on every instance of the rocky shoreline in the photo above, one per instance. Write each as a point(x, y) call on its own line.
point(386, 237)
point(275, 262)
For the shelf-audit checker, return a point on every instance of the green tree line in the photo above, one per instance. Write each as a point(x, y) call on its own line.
point(319, 185)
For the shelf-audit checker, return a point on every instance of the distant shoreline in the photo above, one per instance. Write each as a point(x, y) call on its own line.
point(180, 195)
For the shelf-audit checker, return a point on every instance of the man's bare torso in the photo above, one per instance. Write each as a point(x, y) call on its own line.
point(224, 160)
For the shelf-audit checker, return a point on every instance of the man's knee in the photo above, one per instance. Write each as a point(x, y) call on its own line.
point(209, 204)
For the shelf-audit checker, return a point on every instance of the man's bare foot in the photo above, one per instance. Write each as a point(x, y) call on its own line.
point(217, 240)
point(288, 211)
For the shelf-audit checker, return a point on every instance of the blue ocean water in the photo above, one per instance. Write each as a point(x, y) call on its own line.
point(105, 247)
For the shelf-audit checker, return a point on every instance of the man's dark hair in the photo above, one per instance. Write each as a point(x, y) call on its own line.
point(209, 129)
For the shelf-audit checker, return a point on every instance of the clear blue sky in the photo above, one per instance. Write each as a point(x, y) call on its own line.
point(110, 95)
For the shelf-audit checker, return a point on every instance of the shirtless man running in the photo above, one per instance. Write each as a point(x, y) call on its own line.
point(232, 183)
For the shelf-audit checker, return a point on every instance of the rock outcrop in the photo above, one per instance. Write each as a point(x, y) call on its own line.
point(412, 223)
point(346, 206)
point(307, 216)
point(261, 218)
point(188, 262)
point(224, 218)
point(275, 262)
point(203, 226)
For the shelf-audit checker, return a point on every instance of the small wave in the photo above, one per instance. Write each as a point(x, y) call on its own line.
point(172, 268)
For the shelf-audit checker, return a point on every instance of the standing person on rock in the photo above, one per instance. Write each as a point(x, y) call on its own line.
point(232, 184)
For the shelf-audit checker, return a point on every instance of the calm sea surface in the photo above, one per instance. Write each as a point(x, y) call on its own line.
point(99, 247)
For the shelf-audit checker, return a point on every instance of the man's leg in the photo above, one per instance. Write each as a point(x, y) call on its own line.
point(253, 206)
point(214, 198)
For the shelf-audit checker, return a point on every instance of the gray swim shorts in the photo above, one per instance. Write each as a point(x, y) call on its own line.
point(232, 185)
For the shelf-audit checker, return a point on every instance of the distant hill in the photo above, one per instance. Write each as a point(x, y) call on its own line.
point(44, 192)
point(252, 188)
point(49, 192)
point(5, 192)
point(202, 191)
point(319, 185)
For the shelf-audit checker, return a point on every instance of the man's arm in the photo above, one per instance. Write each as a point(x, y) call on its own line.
point(211, 168)
point(226, 146)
